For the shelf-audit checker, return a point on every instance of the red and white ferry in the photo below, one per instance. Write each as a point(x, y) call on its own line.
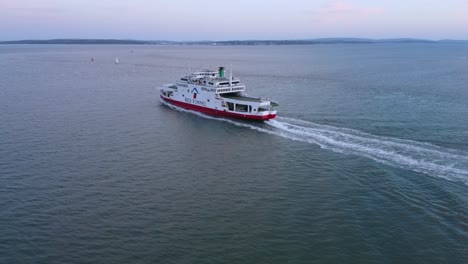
point(210, 92)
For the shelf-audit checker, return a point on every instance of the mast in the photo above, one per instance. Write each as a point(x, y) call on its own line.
point(230, 76)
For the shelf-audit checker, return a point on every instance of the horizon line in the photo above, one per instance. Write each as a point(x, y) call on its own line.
point(205, 40)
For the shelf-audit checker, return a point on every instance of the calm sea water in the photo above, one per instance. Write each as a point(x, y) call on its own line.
point(367, 161)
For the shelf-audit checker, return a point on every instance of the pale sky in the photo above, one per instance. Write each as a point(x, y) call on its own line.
point(230, 20)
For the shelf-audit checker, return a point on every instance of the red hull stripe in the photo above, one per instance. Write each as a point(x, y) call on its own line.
point(216, 112)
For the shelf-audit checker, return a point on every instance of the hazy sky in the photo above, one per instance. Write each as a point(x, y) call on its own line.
point(236, 19)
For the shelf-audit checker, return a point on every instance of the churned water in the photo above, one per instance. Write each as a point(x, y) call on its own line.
point(367, 161)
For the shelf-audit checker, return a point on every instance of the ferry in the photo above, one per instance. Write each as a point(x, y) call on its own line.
point(211, 92)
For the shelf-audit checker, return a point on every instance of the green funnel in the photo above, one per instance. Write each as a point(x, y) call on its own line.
point(221, 72)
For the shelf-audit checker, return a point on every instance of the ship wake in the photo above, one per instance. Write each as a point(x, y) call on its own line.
point(426, 158)
point(432, 160)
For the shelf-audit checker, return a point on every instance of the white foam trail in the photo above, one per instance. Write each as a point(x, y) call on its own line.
point(426, 158)
point(421, 157)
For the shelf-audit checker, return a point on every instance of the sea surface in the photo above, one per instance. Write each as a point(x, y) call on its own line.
point(367, 161)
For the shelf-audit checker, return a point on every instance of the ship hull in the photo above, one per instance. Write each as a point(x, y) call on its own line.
point(216, 112)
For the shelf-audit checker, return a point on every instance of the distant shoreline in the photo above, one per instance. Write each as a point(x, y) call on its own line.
point(234, 42)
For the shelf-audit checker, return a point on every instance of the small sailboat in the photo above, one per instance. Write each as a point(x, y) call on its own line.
point(116, 60)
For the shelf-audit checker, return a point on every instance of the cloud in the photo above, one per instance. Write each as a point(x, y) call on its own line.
point(338, 12)
point(12, 14)
point(461, 15)
point(33, 10)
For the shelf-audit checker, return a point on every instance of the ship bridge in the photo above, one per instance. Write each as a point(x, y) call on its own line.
point(213, 81)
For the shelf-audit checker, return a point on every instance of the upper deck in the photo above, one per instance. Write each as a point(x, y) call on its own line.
point(212, 81)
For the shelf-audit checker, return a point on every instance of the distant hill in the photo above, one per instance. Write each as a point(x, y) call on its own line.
point(405, 40)
point(233, 42)
point(453, 41)
point(87, 41)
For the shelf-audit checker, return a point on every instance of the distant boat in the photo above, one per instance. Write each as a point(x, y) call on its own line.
point(116, 60)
